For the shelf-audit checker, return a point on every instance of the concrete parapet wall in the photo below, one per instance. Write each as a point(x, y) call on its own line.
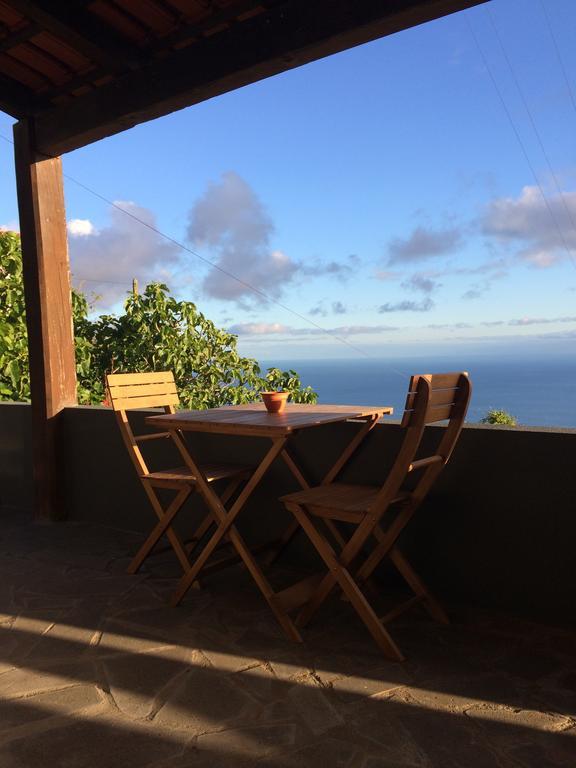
point(498, 530)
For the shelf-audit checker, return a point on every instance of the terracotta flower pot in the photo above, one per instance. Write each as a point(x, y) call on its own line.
point(275, 402)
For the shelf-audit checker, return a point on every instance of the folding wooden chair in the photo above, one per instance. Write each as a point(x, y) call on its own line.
point(128, 391)
point(431, 398)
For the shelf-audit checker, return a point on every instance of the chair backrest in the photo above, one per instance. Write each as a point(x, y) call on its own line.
point(128, 391)
point(431, 398)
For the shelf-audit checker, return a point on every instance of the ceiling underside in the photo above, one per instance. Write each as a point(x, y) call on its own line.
point(90, 68)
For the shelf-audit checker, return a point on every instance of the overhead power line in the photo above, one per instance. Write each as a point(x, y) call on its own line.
point(558, 55)
point(532, 121)
point(207, 261)
point(519, 140)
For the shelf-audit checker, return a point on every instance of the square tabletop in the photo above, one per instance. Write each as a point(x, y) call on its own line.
point(254, 419)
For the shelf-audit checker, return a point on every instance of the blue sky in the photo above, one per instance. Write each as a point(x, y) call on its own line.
point(415, 193)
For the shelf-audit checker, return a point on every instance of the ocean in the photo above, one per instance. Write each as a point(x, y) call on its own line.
point(538, 391)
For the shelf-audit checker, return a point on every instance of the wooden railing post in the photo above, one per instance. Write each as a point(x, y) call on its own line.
point(48, 310)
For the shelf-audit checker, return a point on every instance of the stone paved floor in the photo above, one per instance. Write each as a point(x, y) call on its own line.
point(97, 671)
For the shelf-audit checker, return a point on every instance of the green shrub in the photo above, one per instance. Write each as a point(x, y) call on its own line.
point(494, 416)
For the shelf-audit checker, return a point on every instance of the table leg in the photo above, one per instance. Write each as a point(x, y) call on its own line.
point(294, 526)
point(348, 452)
point(225, 526)
point(309, 594)
point(336, 468)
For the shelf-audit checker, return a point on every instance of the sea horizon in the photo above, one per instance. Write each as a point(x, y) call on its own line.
point(536, 390)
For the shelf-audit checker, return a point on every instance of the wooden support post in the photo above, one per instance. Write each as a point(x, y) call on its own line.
point(48, 310)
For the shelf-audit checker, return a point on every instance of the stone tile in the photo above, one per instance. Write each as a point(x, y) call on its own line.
point(86, 744)
point(328, 753)
point(257, 743)
point(214, 682)
point(294, 666)
point(61, 642)
point(140, 596)
point(281, 711)
point(314, 706)
point(204, 701)
point(374, 726)
point(558, 694)
point(163, 620)
point(25, 682)
point(260, 684)
point(384, 762)
point(19, 712)
point(78, 583)
point(448, 740)
point(8, 649)
point(117, 639)
point(73, 559)
point(136, 680)
point(225, 655)
point(352, 687)
point(6, 618)
point(537, 755)
point(433, 700)
point(38, 603)
point(527, 665)
point(529, 719)
point(25, 633)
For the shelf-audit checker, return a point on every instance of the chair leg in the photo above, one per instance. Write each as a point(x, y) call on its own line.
point(175, 542)
point(366, 613)
point(199, 533)
point(346, 582)
point(159, 530)
point(418, 587)
point(209, 520)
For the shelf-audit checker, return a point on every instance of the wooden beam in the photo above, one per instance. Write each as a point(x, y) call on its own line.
point(83, 31)
point(48, 310)
point(12, 39)
point(287, 35)
point(17, 100)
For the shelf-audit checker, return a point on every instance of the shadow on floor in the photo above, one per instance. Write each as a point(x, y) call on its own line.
point(96, 669)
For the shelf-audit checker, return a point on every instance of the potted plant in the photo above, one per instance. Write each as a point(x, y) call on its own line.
point(275, 401)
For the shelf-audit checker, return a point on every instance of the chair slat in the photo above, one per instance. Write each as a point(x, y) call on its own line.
point(437, 397)
point(439, 413)
point(152, 436)
point(438, 380)
point(423, 463)
point(151, 377)
point(138, 390)
point(153, 401)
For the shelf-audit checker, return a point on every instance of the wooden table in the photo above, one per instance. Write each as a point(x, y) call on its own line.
point(254, 421)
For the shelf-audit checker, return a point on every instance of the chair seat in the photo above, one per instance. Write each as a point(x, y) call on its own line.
point(338, 501)
point(212, 472)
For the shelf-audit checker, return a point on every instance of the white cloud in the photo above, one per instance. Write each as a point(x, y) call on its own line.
point(276, 329)
point(421, 283)
point(407, 306)
point(339, 308)
point(231, 221)
point(80, 227)
point(423, 243)
point(341, 270)
point(259, 329)
point(523, 321)
point(105, 261)
point(10, 226)
point(542, 231)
